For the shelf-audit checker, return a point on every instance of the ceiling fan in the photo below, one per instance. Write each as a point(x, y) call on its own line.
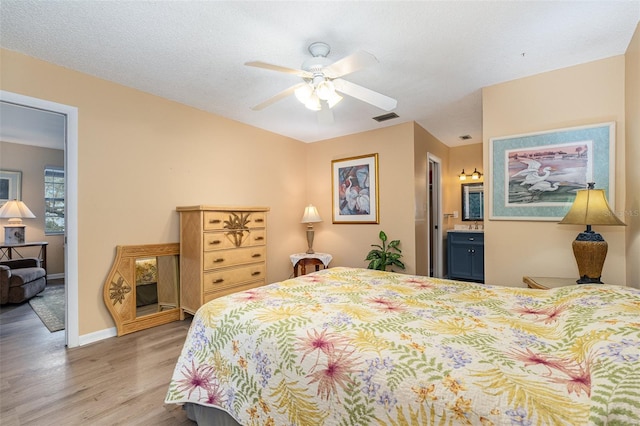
point(322, 82)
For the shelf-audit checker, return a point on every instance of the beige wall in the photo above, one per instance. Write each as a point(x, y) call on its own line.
point(584, 94)
point(31, 161)
point(350, 243)
point(632, 208)
point(140, 156)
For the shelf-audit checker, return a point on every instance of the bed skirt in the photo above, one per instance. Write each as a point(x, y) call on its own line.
point(208, 416)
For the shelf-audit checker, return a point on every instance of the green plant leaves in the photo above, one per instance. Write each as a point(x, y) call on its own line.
point(385, 255)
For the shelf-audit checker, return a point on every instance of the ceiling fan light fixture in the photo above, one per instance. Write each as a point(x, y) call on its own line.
point(303, 93)
point(313, 103)
point(334, 99)
point(325, 90)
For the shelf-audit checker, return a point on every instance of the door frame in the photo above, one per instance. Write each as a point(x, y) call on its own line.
point(434, 230)
point(72, 332)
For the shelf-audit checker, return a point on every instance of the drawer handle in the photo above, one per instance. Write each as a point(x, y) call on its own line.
point(256, 255)
point(221, 259)
point(215, 221)
point(259, 220)
point(214, 242)
point(259, 238)
point(255, 273)
point(218, 281)
point(471, 239)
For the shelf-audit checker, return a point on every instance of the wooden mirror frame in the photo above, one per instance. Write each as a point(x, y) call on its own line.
point(120, 288)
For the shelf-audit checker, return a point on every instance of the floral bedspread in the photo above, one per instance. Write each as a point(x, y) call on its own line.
point(359, 347)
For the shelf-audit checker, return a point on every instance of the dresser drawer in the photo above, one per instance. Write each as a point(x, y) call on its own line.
point(225, 278)
point(231, 288)
point(224, 258)
point(227, 240)
point(230, 220)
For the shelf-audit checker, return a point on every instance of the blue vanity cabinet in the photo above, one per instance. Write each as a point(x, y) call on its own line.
point(465, 256)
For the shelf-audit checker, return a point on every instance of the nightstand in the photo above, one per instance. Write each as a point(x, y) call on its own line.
point(300, 262)
point(545, 283)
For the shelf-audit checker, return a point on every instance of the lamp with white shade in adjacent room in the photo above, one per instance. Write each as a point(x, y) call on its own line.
point(310, 217)
point(15, 211)
point(590, 207)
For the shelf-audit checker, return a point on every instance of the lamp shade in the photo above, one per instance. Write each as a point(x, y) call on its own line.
point(15, 209)
point(590, 207)
point(310, 215)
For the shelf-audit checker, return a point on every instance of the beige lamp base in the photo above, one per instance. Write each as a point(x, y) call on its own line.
point(310, 240)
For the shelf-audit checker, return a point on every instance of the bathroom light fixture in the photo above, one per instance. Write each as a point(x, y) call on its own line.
point(475, 175)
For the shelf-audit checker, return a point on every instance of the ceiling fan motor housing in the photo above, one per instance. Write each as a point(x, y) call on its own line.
point(319, 61)
point(319, 49)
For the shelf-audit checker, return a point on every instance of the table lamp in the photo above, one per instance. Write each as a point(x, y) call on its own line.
point(310, 217)
point(15, 211)
point(590, 207)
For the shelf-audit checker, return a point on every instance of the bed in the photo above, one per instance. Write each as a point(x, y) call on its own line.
point(347, 346)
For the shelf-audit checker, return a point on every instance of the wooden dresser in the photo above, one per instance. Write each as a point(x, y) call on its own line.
point(222, 250)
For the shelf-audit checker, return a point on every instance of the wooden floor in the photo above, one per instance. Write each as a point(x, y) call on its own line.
point(117, 381)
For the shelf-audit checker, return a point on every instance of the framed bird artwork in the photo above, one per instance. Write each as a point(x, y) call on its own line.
point(536, 176)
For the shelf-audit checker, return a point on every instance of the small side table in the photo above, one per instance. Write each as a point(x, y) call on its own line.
point(300, 262)
point(545, 283)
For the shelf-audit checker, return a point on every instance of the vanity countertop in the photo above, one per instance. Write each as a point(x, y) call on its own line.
point(465, 230)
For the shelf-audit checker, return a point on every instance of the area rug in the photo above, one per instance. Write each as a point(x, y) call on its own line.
point(49, 306)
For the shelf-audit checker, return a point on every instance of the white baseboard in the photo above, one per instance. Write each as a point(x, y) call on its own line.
point(96, 336)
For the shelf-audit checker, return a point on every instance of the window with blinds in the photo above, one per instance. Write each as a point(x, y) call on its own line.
point(54, 195)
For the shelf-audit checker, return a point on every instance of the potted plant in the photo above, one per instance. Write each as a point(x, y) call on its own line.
point(385, 255)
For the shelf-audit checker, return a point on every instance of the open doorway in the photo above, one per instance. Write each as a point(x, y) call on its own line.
point(434, 216)
point(70, 114)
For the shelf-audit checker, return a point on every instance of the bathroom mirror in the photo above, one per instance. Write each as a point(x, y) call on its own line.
point(473, 201)
point(143, 286)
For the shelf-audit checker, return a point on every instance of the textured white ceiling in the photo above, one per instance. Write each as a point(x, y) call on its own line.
point(434, 56)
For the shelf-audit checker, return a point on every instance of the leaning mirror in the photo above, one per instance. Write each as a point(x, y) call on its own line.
point(472, 201)
point(142, 288)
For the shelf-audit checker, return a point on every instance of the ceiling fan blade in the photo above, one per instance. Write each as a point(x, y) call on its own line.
point(278, 68)
point(276, 98)
point(366, 95)
point(350, 64)
point(325, 115)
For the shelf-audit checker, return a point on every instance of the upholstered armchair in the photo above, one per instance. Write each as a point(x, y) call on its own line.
point(21, 279)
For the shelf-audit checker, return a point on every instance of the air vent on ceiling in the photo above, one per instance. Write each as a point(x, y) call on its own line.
point(465, 137)
point(386, 117)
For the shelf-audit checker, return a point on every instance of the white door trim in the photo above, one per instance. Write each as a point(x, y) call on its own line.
point(435, 234)
point(72, 332)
